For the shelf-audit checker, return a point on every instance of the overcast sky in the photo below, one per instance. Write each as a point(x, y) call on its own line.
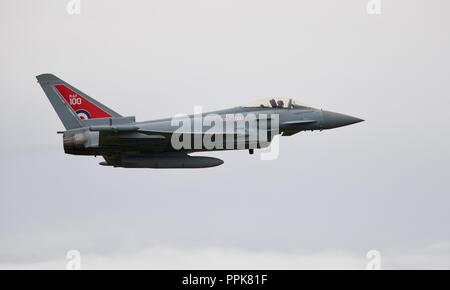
point(328, 199)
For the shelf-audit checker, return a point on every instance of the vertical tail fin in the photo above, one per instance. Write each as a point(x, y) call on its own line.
point(71, 104)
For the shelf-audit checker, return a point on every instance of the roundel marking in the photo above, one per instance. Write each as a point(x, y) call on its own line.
point(83, 114)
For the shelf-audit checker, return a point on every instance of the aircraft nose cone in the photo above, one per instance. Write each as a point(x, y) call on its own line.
point(334, 120)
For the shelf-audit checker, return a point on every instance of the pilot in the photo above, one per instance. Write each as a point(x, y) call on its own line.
point(273, 103)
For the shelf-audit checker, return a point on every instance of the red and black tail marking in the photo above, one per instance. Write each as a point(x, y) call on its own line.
point(82, 107)
point(71, 104)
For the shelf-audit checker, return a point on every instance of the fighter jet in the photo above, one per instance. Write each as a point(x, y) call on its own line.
point(92, 128)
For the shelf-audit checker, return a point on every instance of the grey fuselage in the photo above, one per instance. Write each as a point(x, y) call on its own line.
point(124, 136)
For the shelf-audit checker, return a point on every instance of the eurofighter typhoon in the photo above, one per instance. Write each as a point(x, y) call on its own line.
point(92, 128)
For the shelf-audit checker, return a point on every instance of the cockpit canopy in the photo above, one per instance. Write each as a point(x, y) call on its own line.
point(276, 102)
